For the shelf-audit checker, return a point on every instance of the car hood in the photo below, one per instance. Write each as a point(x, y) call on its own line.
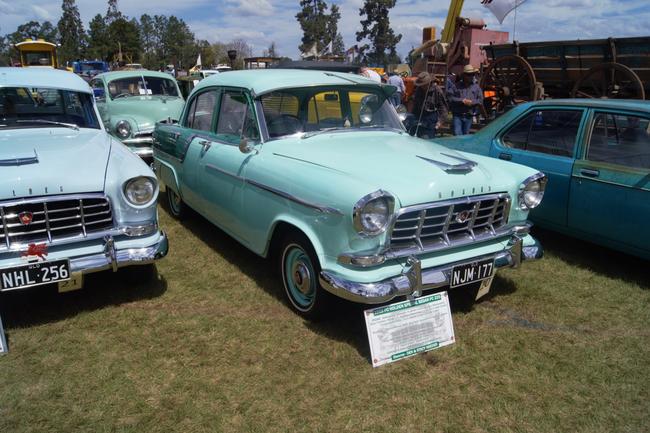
point(145, 111)
point(55, 161)
point(400, 164)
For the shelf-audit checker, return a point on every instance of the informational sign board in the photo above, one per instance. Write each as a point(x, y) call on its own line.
point(3, 341)
point(407, 328)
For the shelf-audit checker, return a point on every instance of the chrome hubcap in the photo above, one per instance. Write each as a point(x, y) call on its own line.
point(301, 277)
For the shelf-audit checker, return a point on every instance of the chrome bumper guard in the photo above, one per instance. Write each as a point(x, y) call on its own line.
point(413, 280)
point(114, 259)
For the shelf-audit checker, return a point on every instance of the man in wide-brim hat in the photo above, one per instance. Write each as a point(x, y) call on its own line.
point(429, 108)
point(464, 98)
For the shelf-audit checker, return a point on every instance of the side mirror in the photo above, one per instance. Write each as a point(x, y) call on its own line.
point(245, 146)
point(401, 112)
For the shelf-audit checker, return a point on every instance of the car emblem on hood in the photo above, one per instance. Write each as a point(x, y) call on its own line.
point(465, 166)
point(25, 218)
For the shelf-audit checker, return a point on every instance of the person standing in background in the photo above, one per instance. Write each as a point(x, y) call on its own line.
point(429, 107)
point(396, 80)
point(464, 98)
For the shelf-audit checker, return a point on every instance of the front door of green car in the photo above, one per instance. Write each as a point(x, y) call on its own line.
point(223, 164)
point(546, 140)
point(610, 187)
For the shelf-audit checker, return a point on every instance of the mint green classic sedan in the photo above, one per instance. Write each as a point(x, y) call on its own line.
point(131, 102)
point(314, 170)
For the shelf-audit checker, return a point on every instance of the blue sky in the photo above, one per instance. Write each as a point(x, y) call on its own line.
point(262, 21)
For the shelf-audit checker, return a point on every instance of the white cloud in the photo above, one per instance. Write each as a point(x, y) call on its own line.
point(250, 7)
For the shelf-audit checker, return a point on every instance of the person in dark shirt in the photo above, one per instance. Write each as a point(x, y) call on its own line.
point(429, 107)
point(464, 99)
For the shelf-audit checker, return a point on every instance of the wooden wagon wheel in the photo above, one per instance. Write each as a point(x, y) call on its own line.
point(512, 81)
point(609, 80)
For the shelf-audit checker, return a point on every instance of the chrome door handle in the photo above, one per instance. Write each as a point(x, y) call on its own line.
point(589, 172)
point(505, 156)
point(205, 145)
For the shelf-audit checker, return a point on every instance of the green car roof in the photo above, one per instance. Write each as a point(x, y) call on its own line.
point(116, 75)
point(262, 81)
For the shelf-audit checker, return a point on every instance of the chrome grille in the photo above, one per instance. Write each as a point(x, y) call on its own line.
point(53, 218)
point(449, 223)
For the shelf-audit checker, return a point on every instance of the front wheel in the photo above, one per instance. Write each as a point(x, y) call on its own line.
point(300, 269)
point(175, 203)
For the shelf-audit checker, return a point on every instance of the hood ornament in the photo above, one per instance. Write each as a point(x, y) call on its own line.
point(465, 166)
point(16, 160)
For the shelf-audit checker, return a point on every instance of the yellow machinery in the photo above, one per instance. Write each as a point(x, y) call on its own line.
point(455, 7)
point(37, 53)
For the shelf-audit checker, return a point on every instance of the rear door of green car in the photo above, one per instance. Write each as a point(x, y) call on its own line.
point(545, 138)
point(610, 187)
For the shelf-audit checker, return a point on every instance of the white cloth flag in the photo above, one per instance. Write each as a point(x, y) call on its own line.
point(501, 8)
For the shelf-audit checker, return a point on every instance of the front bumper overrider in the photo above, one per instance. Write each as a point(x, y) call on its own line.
point(113, 258)
point(413, 280)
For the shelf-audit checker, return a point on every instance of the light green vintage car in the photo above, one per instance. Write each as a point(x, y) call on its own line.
point(131, 102)
point(314, 170)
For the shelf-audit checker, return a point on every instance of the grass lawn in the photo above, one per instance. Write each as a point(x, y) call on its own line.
point(560, 345)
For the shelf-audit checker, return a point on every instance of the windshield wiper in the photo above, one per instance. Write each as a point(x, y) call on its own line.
point(51, 122)
point(320, 131)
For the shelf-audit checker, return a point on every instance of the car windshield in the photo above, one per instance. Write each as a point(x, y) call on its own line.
point(38, 58)
point(313, 110)
point(29, 107)
point(142, 85)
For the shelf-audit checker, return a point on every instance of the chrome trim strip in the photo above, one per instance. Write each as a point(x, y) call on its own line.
point(465, 166)
point(19, 161)
point(317, 207)
point(138, 140)
point(413, 279)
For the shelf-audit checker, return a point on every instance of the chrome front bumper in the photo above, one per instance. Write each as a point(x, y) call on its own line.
point(414, 279)
point(113, 259)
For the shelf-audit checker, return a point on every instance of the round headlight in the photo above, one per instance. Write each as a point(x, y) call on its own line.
point(531, 191)
point(123, 129)
point(372, 213)
point(139, 191)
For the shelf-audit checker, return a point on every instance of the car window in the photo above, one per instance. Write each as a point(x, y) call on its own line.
point(281, 111)
point(236, 119)
point(620, 139)
point(324, 111)
point(98, 90)
point(546, 131)
point(141, 86)
point(30, 107)
point(199, 114)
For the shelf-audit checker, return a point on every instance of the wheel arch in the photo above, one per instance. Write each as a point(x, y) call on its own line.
point(286, 224)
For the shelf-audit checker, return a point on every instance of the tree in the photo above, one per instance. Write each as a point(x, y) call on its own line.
point(338, 47)
point(375, 27)
point(178, 42)
point(314, 22)
point(34, 29)
point(272, 51)
point(113, 13)
point(71, 32)
point(124, 39)
point(98, 39)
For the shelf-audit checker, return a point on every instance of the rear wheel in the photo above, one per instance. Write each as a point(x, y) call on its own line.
point(299, 268)
point(177, 207)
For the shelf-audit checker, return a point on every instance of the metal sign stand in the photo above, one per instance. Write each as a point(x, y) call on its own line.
point(3, 341)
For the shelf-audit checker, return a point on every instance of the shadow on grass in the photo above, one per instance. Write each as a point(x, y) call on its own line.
point(43, 304)
point(595, 258)
point(346, 322)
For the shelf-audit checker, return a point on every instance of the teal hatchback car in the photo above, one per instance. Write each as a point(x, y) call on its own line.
point(73, 200)
point(131, 102)
point(596, 154)
point(314, 170)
